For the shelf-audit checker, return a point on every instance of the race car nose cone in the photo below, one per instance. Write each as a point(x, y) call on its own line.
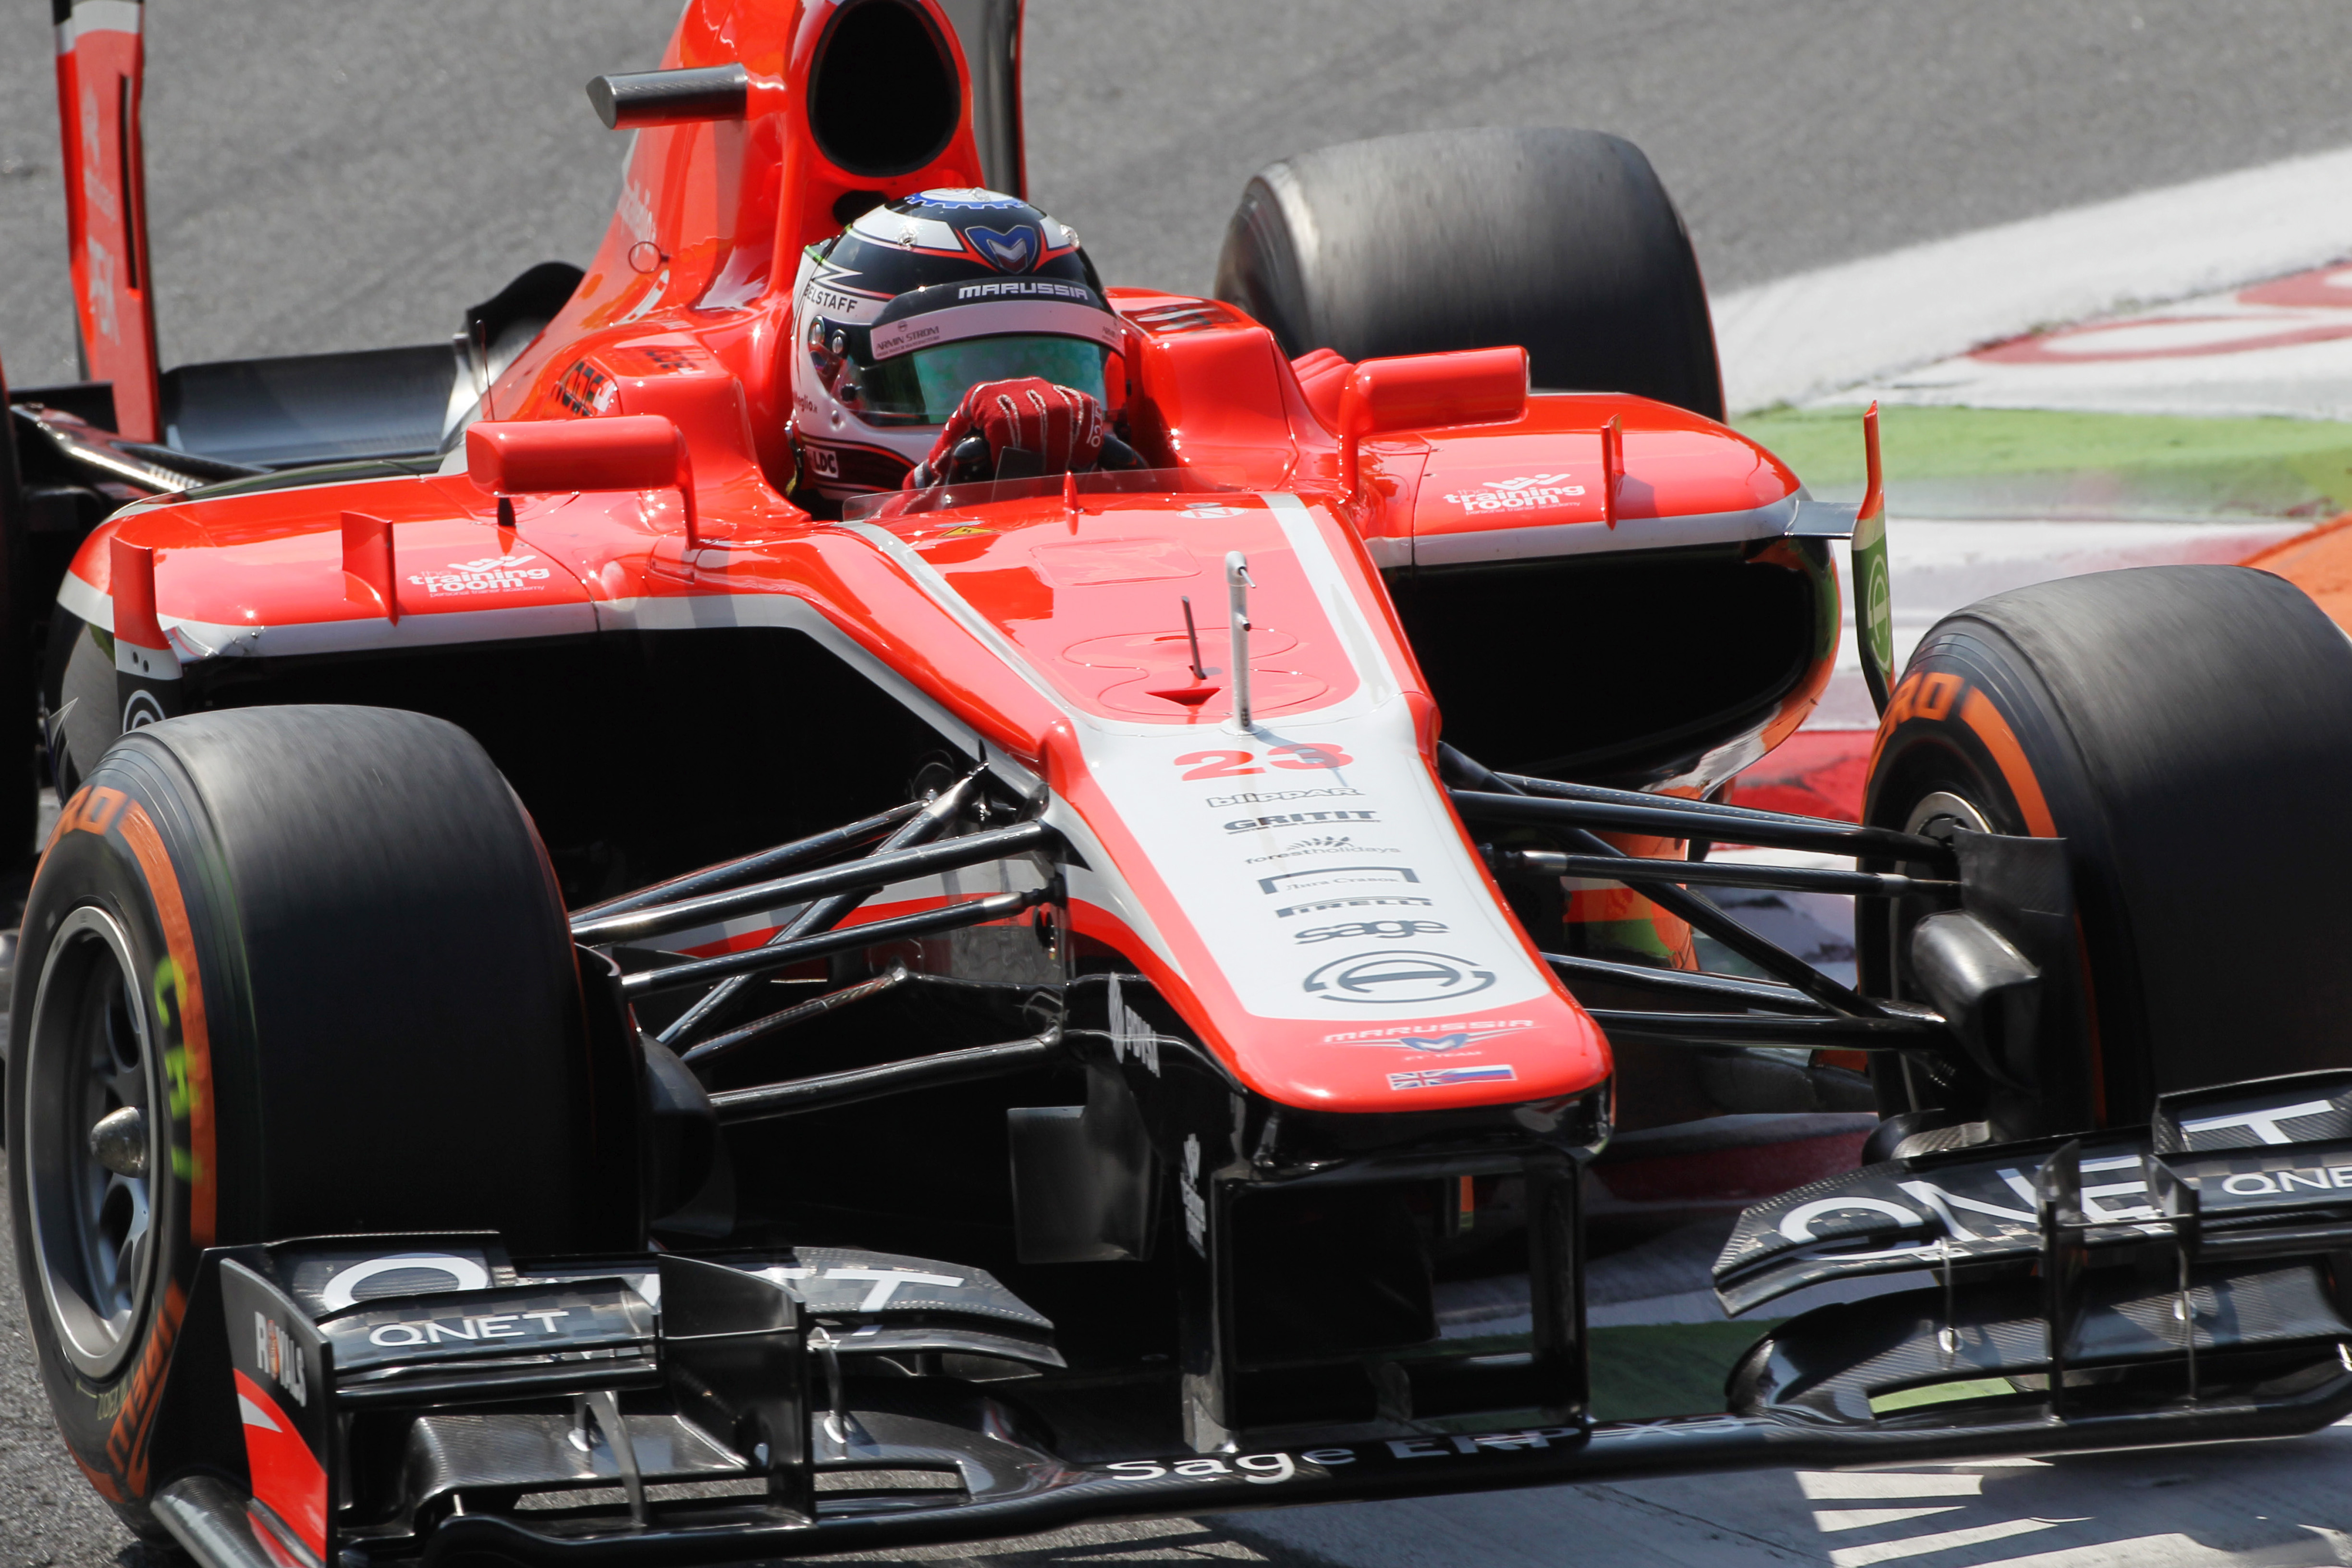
point(120, 1141)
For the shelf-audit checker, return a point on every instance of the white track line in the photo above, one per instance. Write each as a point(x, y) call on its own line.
point(1815, 333)
point(2231, 356)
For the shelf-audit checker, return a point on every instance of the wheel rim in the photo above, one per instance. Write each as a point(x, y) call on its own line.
point(1936, 813)
point(1933, 815)
point(89, 1055)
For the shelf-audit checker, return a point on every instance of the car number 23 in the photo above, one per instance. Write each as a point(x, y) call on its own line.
point(1235, 764)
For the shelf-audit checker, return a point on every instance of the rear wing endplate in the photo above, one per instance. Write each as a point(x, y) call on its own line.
point(102, 65)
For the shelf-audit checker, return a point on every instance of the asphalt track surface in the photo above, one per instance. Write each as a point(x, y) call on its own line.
point(343, 176)
point(332, 176)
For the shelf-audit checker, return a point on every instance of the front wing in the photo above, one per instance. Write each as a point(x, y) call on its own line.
point(406, 1398)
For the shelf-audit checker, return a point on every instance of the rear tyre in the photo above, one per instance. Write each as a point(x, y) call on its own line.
point(2188, 731)
point(309, 968)
point(1562, 241)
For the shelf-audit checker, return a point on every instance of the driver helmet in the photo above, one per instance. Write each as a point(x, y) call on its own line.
point(915, 301)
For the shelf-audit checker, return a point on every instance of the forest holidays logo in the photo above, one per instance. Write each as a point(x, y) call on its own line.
point(1528, 492)
point(491, 574)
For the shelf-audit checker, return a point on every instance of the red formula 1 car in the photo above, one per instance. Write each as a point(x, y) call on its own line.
point(673, 938)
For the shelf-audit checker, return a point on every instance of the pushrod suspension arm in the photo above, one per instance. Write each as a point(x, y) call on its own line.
point(846, 939)
point(814, 1007)
point(1468, 773)
point(1729, 989)
point(825, 1089)
point(1722, 874)
point(1676, 819)
point(1765, 955)
point(1557, 790)
point(1680, 902)
point(1906, 1031)
point(767, 862)
point(827, 912)
point(871, 872)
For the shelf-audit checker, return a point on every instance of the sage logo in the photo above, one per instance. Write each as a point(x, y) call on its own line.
point(1406, 977)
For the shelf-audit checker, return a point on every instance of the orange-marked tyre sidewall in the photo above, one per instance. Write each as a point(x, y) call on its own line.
point(1970, 719)
point(107, 852)
point(1941, 712)
point(247, 863)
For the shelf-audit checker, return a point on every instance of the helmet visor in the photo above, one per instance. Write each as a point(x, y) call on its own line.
point(925, 386)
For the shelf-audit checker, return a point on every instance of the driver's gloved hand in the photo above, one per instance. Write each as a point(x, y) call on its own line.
point(1065, 428)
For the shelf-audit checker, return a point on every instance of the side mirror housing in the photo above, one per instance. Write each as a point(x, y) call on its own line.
point(1412, 392)
point(542, 456)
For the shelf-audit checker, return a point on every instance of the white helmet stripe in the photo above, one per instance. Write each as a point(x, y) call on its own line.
point(997, 318)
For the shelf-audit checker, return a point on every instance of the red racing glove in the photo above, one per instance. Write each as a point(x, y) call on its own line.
point(1063, 426)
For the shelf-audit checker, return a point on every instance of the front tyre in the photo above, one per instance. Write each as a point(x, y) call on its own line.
point(284, 972)
point(2188, 731)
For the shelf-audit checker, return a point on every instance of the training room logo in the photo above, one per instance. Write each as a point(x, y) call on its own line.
point(490, 574)
point(1404, 978)
point(1526, 493)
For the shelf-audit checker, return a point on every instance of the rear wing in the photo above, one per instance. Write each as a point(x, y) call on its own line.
point(234, 416)
point(102, 66)
point(293, 411)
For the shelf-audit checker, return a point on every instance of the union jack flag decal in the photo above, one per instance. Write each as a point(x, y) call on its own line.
point(1444, 1078)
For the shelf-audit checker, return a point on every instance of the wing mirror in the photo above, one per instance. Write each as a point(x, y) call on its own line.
point(1412, 392)
point(544, 457)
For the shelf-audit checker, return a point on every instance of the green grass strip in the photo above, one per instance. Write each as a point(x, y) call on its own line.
point(2134, 462)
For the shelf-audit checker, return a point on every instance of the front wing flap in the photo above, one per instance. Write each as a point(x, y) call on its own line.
point(2267, 1161)
point(2194, 1266)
